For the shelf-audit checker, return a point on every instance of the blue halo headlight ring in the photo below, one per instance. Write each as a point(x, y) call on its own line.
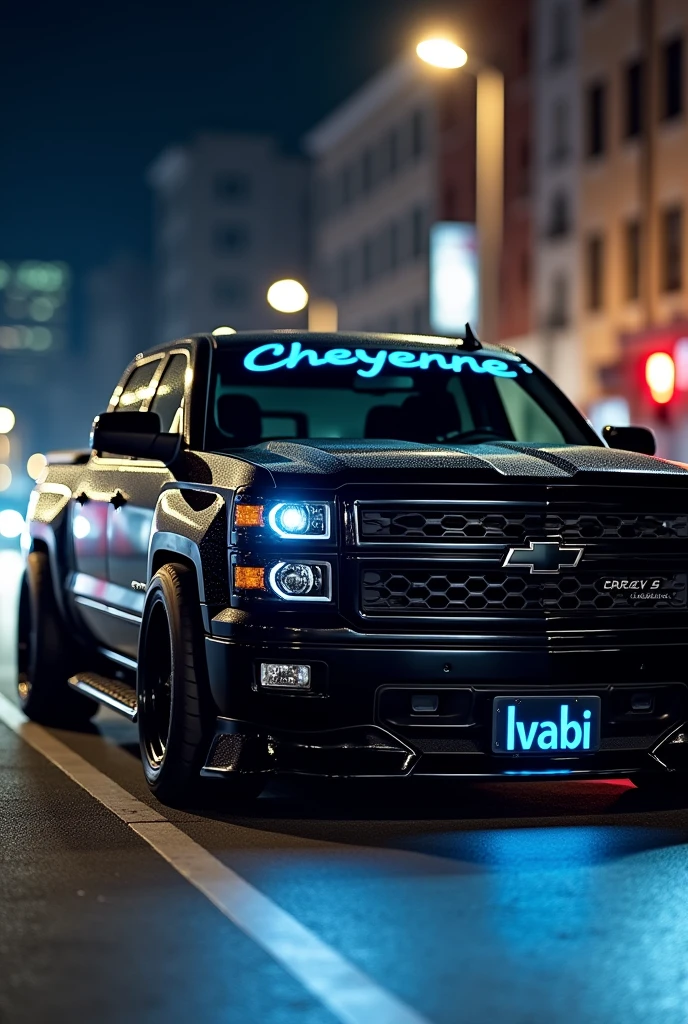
point(294, 519)
point(303, 573)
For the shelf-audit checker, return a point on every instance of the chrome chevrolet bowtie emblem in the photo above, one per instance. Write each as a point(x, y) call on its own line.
point(544, 556)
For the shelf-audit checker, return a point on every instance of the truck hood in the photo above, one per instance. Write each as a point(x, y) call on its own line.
point(386, 460)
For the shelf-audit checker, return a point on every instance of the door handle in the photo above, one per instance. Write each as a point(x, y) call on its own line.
point(118, 499)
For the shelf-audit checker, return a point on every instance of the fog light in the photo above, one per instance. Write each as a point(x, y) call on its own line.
point(291, 677)
point(300, 581)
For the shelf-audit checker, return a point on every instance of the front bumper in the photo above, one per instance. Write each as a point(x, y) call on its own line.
point(358, 720)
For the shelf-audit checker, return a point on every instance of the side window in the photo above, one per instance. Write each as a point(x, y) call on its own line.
point(137, 389)
point(169, 396)
point(527, 420)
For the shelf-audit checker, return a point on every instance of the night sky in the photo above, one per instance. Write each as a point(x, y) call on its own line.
point(90, 93)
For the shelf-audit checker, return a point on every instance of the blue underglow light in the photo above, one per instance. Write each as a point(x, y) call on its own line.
point(258, 360)
point(543, 771)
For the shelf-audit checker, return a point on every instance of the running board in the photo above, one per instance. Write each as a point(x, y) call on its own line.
point(113, 693)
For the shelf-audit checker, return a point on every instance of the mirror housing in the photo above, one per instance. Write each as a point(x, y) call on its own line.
point(135, 434)
point(631, 439)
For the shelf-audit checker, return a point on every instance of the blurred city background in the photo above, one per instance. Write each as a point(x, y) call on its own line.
point(161, 169)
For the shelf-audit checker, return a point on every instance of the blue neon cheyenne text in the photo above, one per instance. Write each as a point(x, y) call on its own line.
point(371, 365)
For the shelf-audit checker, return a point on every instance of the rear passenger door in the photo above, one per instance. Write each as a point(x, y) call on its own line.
point(139, 484)
point(99, 487)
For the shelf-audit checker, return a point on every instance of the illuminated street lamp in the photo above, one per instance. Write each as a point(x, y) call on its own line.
point(442, 53)
point(7, 420)
point(289, 296)
point(489, 171)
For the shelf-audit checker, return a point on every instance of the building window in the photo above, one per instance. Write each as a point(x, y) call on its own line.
point(560, 131)
point(595, 272)
point(524, 169)
point(322, 198)
point(559, 216)
point(560, 34)
point(672, 249)
point(632, 253)
point(418, 246)
point(230, 239)
point(367, 170)
point(596, 110)
point(393, 151)
point(345, 272)
point(418, 134)
point(524, 48)
point(633, 93)
point(367, 261)
point(672, 76)
point(231, 291)
point(232, 187)
point(346, 190)
point(558, 316)
point(393, 246)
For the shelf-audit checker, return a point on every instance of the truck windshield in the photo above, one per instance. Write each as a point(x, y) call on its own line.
point(282, 388)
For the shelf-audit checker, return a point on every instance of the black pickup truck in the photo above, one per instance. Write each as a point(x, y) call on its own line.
point(360, 555)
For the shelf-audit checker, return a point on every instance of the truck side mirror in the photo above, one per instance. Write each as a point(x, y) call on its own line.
point(136, 434)
point(631, 439)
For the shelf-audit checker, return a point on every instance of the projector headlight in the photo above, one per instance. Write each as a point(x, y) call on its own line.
point(301, 581)
point(309, 520)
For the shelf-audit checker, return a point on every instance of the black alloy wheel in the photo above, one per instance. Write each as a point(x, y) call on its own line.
point(176, 714)
point(46, 653)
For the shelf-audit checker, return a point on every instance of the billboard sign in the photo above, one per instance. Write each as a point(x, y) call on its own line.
point(454, 278)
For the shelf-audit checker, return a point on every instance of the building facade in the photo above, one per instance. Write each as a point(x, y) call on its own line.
point(633, 201)
point(230, 218)
point(376, 182)
point(556, 199)
point(119, 321)
point(399, 157)
point(36, 345)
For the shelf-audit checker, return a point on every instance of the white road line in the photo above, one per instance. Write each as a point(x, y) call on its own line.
point(350, 995)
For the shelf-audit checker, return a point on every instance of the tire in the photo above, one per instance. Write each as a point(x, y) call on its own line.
point(45, 653)
point(176, 716)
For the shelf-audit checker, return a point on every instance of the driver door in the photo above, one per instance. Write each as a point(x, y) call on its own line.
point(130, 517)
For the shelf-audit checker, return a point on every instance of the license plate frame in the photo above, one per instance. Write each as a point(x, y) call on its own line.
point(526, 741)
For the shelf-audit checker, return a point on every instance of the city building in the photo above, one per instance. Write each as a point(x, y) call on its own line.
point(35, 346)
point(376, 193)
point(398, 159)
point(119, 321)
point(230, 218)
point(633, 198)
point(557, 167)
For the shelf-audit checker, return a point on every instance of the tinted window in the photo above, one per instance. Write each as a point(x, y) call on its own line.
point(137, 390)
point(426, 396)
point(169, 396)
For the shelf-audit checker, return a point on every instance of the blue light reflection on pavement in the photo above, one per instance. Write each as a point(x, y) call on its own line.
point(525, 925)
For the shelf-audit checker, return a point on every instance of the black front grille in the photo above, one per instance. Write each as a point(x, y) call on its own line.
point(458, 592)
point(447, 525)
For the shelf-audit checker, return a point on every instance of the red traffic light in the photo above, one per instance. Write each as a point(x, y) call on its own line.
point(660, 377)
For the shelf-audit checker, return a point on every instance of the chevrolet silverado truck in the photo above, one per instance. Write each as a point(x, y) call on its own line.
point(360, 555)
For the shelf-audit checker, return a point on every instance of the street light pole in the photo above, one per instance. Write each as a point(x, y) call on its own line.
point(489, 173)
point(489, 198)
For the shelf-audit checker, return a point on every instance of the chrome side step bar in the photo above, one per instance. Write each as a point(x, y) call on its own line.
point(113, 693)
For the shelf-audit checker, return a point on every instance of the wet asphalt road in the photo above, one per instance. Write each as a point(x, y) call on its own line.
point(526, 903)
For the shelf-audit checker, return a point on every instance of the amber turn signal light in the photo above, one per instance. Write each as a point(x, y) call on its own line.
point(249, 577)
point(248, 515)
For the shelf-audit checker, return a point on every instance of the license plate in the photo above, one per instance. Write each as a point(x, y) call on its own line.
point(546, 725)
